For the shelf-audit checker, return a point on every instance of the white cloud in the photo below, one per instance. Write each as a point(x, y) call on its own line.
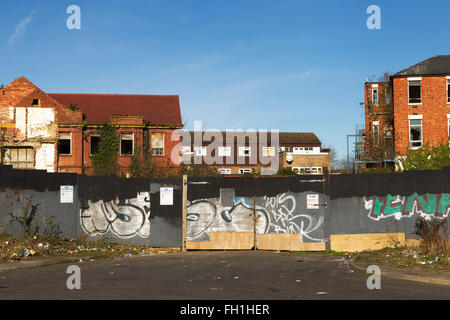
point(20, 28)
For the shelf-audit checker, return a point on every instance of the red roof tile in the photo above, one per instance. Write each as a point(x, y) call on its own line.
point(158, 109)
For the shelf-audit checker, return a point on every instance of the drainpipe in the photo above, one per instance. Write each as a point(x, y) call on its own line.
point(83, 129)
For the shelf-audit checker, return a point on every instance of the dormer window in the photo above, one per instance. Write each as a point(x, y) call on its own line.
point(36, 102)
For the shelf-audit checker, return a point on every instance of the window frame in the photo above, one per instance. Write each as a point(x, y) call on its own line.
point(373, 95)
point(132, 144)
point(16, 163)
point(421, 97)
point(412, 118)
point(221, 151)
point(271, 151)
point(228, 171)
point(243, 149)
point(70, 139)
point(247, 170)
point(153, 153)
point(202, 153)
point(90, 141)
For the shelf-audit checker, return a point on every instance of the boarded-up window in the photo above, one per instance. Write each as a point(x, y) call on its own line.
point(65, 143)
point(126, 143)
point(20, 158)
point(157, 144)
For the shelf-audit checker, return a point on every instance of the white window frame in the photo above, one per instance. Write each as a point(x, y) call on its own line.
point(245, 170)
point(448, 84)
point(376, 137)
point(308, 170)
point(421, 96)
point(298, 150)
point(448, 127)
point(163, 144)
point(185, 150)
point(132, 144)
point(200, 151)
point(71, 144)
point(224, 151)
point(225, 170)
point(268, 151)
point(242, 151)
point(415, 117)
point(373, 95)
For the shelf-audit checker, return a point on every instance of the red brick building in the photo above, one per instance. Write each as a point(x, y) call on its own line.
point(59, 132)
point(418, 103)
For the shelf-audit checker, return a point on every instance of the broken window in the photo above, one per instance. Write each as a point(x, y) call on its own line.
point(375, 96)
point(157, 144)
point(65, 143)
point(245, 151)
point(376, 132)
point(126, 144)
point(415, 91)
point(20, 158)
point(415, 132)
point(95, 140)
point(448, 90)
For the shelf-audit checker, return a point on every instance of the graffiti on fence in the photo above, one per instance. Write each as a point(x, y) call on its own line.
point(123, 218)
point(427, 206)
point(285, 218)
point(278, 214)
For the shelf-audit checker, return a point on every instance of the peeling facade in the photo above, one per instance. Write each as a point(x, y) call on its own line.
point(35, 125)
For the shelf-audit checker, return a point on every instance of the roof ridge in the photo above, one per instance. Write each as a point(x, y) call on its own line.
point(118, 94)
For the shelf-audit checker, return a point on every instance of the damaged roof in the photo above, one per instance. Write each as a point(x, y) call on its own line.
point(436, 65)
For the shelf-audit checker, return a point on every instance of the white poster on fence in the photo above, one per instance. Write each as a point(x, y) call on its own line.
point(312, 201)
point(66, 193)
point(166, 196)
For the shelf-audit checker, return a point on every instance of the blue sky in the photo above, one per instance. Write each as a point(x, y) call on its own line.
point(287, 65)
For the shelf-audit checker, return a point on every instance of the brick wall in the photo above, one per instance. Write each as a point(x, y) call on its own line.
point(434, 110)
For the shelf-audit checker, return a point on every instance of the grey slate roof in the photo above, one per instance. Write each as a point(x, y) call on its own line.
point(284, 137)
point(433, 66)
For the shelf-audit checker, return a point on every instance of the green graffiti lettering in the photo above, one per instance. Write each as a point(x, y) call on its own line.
point(389, 209)
point(444, 203)
point(376, 206)
point(427, 207)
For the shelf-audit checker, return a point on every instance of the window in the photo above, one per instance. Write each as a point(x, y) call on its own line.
point(268, 151)
point(376, 131)
point(95, 140)
point(307, 170)
point(157, 144)
point(185, 149)
point(36, 102)
point(245, 151)
point(298, 149)
point(448, 90)
point(126, 144)
point(415, 91)
point(65, 143)
point(375, 96)
point(200, 151)
point(20, 158)
point(245, 170)
point(224, 151)
point(225, 171)
point(415, 132)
